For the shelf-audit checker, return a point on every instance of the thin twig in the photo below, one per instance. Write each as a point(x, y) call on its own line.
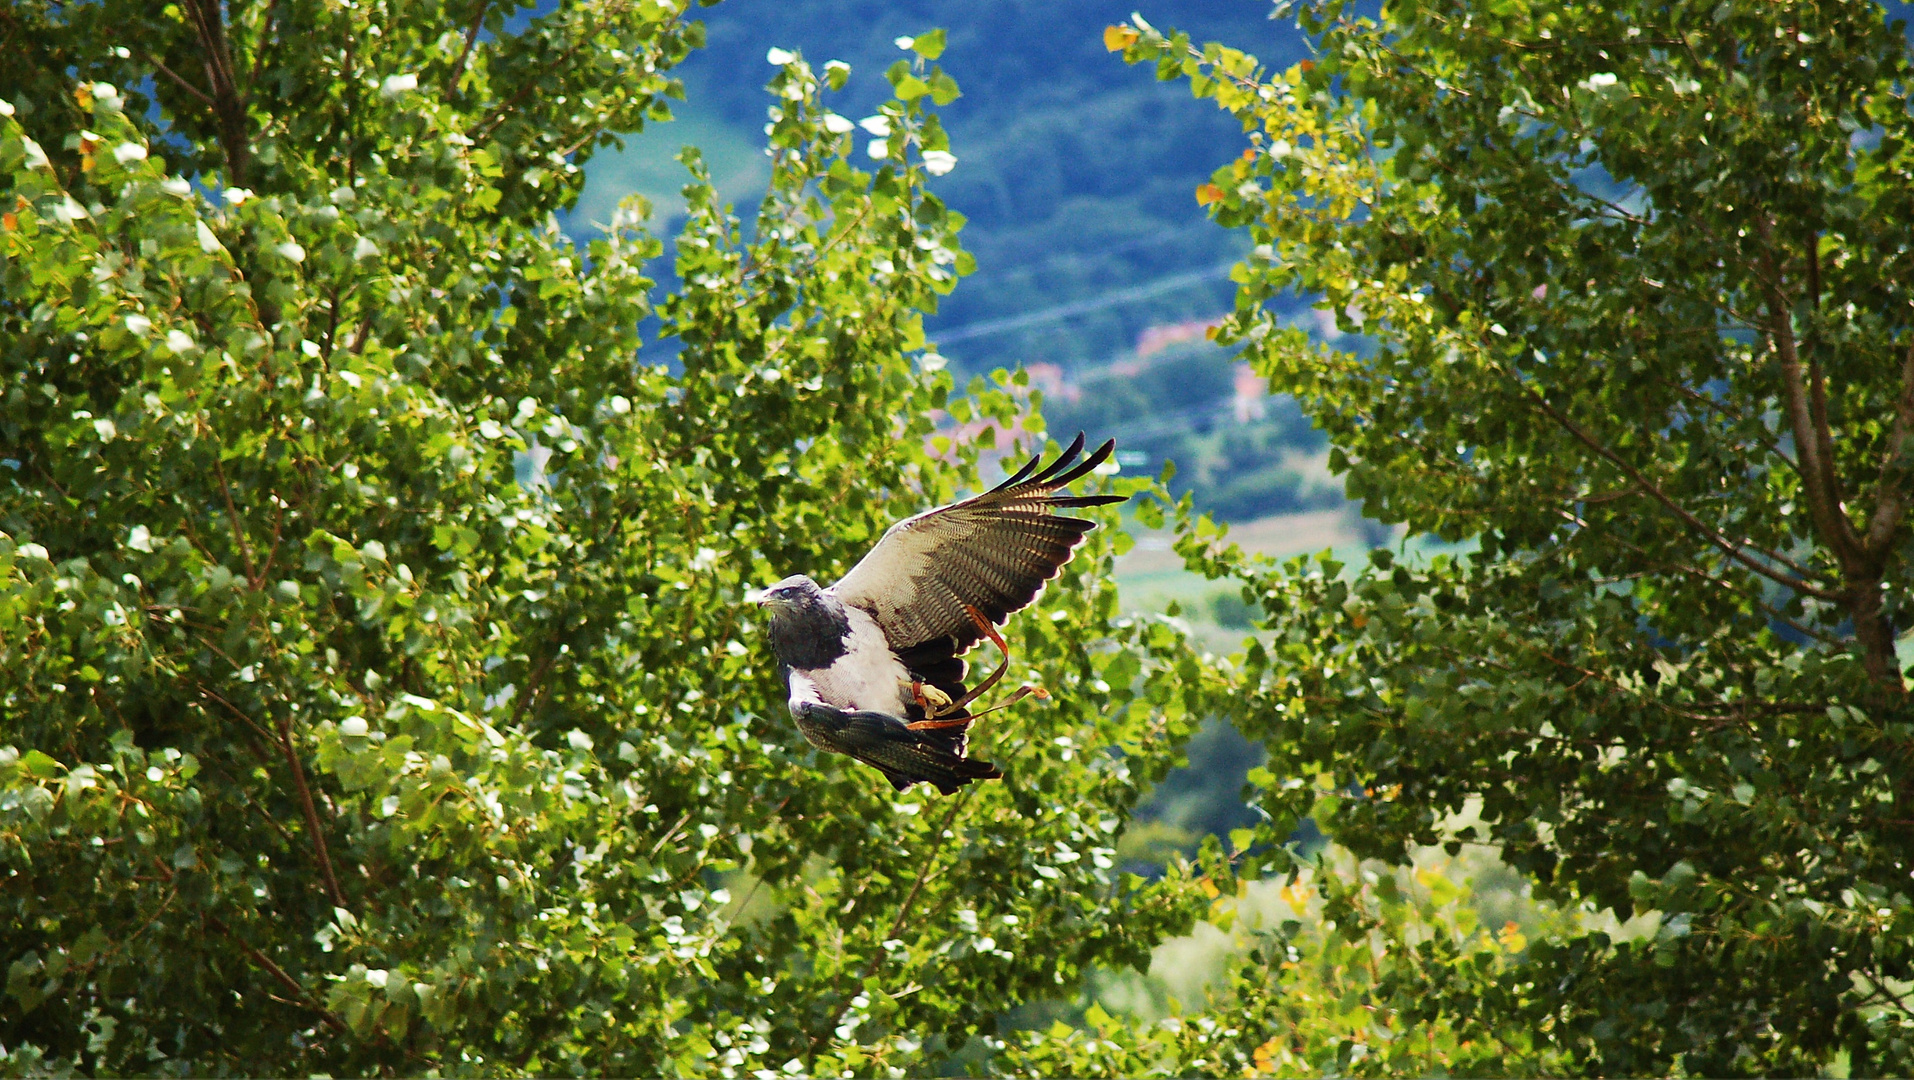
point(299, 783)
point(291, 984)
point(183, 84)
point(209, 692)
point(471, 39)
point(272, 552)
point(1713, 535)
point(1681, 568)
point(312, 812)
point(533, 686)
point(903, 915)
point(232, 514)
point(498, 114)
point(804, 271)
point(666, 838)
point(1692, 394)
point(580, 142)
point(259, 49)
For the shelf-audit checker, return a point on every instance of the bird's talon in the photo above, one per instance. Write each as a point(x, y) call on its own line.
point(927, 695)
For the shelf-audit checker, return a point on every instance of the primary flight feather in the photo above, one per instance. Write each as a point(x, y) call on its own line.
point(874, 664)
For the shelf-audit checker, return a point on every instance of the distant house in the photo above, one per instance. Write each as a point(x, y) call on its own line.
point(1049, 378)
point(1157, 338)
point(1251, 400)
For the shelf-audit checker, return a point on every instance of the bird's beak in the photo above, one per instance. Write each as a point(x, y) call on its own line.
point(755, 596)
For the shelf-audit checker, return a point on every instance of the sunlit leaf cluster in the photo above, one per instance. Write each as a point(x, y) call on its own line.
point(1625, 290)
point(380, 693)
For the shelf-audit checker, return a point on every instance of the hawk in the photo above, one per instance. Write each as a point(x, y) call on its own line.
point(874, 664)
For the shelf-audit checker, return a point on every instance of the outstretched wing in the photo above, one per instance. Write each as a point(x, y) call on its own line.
point(992, 553)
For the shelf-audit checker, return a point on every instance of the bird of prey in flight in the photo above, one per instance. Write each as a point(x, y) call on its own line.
point(874, 664)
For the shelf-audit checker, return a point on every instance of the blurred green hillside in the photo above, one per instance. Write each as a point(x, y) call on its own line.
point(648, 166)
point(1078, 181)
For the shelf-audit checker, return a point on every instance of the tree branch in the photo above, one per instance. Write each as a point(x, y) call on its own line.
point(897, 925)
point(228, 107)
point(232, 515)
point(299, 784)
point(1811, 438)
point(1807, 407)
point(1707, 402)
point(1890, 503)
point(503, 109)
point(183, 84)
point(278, 973)
point(311, 811)
point(1728, 546)
point(471, 39)
point(259, 49)
point(1699, 574)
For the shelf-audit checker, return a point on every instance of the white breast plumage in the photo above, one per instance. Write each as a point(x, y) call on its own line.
point(868, 675)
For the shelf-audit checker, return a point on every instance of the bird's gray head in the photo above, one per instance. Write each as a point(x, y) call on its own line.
point(808, 625)
point(793, 593)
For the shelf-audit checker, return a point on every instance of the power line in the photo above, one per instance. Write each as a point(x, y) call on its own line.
point(1083, 307)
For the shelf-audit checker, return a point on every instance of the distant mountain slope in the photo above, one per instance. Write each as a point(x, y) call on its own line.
point(1077, 173)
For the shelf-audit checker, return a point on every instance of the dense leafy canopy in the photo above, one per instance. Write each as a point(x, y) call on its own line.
point(378, 693)
point(379, 698)
point(1637, 281)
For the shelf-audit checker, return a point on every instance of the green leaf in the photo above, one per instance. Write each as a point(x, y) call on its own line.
point(929, 45)
point(910, 88)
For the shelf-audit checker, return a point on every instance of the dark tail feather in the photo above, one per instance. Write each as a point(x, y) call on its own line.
point(946, 771)
point(887, 744)
point(962, 772)
point(954, 741)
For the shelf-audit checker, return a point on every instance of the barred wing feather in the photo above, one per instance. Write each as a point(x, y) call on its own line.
point(993, 552)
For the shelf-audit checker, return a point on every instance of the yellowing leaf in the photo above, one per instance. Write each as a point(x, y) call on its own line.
point(1118, 38)
point(1265, 1057)
point(1207, 194)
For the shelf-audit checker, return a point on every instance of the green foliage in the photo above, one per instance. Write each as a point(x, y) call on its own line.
point(1638, 277)
point(1324, 979)
point(379, 694)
